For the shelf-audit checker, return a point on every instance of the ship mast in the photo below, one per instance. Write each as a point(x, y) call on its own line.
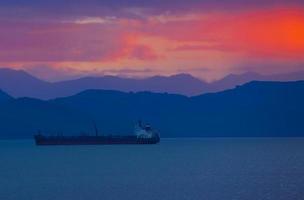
point(95, 128)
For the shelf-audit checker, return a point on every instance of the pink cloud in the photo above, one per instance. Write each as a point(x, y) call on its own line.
point(216, 40)
point(270, 33)
point(259, 33)
point(200, 47)
point(59, 42)
point(131, 48)
point(143, 52)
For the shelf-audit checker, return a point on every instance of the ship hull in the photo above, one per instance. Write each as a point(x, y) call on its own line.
point(93, 140)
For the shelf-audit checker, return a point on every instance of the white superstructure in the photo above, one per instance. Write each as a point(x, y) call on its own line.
point(144, 131)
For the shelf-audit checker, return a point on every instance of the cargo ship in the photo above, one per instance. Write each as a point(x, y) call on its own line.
point(143, 134)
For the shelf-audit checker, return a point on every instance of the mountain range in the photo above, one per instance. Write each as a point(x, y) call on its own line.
point(4, 97)
point(255, 109)
point(19, 83)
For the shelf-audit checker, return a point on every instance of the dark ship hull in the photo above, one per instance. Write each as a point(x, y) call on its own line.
point(93, 140)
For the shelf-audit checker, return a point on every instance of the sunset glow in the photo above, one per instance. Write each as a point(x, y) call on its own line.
point(145, 40)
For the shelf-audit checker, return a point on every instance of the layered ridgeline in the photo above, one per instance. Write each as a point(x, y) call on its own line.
point(22, 118)
point(254, 109)
point(4, 97)
point(30, 86)
point(184, 84)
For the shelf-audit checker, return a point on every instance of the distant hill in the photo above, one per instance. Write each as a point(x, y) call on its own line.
point(254, 109)
point(24, 117)
point(266, 109)
point(117, 111)
point(177, 84)
point(19, 83)
point(232, 80)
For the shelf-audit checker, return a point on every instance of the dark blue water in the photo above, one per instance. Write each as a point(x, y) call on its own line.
point(211, 169)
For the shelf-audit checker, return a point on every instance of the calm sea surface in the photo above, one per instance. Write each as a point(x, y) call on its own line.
point(211, 169)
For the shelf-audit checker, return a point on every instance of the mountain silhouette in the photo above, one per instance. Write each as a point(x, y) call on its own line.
point(23, 117)
point(177, 84)
point(4, 97)
point(232, 80)
point(19, 83)
point(255, 109)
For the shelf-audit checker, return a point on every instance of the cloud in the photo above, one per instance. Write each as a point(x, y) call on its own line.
point(53, 74)
point(131, 48)
point(167, 17)
point(50, 73)
point(200, 47)
point(129, 72)
point(269, 33)
point(260, 33)
point(65, 9)
point(159, 34)
point(96, 20)
point(143, 52)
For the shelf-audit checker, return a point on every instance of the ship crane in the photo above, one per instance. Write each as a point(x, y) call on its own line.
point(96, 129)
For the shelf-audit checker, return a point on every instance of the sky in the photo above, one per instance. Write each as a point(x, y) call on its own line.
point(60, 39)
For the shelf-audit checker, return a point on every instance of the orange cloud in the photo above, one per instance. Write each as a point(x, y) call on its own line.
point(131, 47)
point(271, 33)
point(277, 33)
point(217, 41)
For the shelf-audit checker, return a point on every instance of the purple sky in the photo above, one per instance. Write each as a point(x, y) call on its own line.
point(208, 39)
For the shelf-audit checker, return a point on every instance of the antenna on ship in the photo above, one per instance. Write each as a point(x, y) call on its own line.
point(140, 124)
point(95, 128)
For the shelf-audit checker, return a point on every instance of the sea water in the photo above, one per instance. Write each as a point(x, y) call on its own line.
point(211, 169)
